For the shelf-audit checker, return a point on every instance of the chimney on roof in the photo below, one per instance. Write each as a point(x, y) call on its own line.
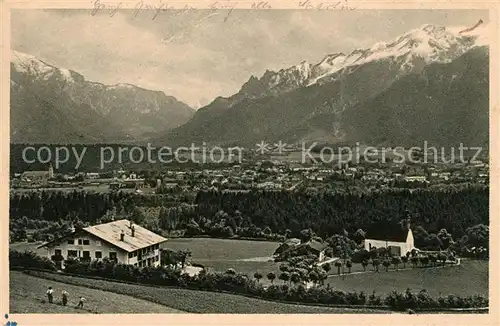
point(122, 236)
point(133, 230)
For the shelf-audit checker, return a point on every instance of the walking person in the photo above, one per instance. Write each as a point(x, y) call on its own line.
point(80, 302)
point(50, 294)
point(64, 297)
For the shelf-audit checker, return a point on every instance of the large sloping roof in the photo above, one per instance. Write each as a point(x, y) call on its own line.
point(35, 173)
point(110, 232)
point(397, 235)
point(316, 245)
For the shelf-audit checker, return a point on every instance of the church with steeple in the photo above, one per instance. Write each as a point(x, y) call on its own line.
point(398, 243)
point(38, 176)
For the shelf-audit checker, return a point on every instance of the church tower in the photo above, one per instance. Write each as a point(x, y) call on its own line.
point(51, 172)
point(407, 220)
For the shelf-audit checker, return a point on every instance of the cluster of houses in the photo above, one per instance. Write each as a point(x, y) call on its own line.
point(49, 179)
point(274, 174)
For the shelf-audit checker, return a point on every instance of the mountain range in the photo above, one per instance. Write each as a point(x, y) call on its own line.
point(56, 105)
point(430, 84)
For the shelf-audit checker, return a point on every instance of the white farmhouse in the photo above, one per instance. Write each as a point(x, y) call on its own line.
point(120, 240)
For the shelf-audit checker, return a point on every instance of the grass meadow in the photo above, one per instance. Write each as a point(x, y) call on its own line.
point(468, 278)
point(27, 293)
point(248, 257)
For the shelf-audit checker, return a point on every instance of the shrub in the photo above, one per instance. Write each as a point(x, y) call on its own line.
point(29, 259)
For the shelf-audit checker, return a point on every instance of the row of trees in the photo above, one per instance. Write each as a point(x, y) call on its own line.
point(276, 215)
point(241, 284)
point(377, 212)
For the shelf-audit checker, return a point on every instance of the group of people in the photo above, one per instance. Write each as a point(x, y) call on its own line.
point(64, 295)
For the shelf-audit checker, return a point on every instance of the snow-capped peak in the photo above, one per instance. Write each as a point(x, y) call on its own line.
point(408, 52)
point(28, 64)
point(429, 42)
point(304, 70)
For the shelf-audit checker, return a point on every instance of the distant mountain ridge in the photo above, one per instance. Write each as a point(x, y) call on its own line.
point(56, 105)
point(322, 102)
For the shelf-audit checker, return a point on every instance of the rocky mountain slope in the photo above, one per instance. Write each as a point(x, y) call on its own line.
point(428, 84)
point(55, 105)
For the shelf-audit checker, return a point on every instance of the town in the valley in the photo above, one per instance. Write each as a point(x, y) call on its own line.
point(340, 161)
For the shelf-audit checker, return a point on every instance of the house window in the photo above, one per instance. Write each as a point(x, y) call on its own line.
point(80, 241)
point(86, 242)
point(157, 258)
point(71, 242)
point(58, 252)
point(72, 253)
point(98, 254)
point(130, 254)
point(112, 255)
point(135, 253)
point(98, 243)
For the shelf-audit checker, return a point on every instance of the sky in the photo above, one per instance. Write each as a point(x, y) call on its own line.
point(200, 54)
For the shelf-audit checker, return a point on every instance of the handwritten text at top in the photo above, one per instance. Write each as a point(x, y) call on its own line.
point(153, 10)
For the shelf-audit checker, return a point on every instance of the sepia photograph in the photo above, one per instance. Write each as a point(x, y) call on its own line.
point(249, 161)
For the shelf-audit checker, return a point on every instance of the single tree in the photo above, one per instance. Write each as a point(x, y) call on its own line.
point(348, 264)
point(386, 264)
point(295, 278)
point(257, 276)
point(404, 259)
point(359, 236)
point(271, 276)
point(338, 264)
point(285, 276)
point(313, 276)
point(364, 263)
point(375, 264)
point(326, 267)
point(396, 260)
point(322, 276)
